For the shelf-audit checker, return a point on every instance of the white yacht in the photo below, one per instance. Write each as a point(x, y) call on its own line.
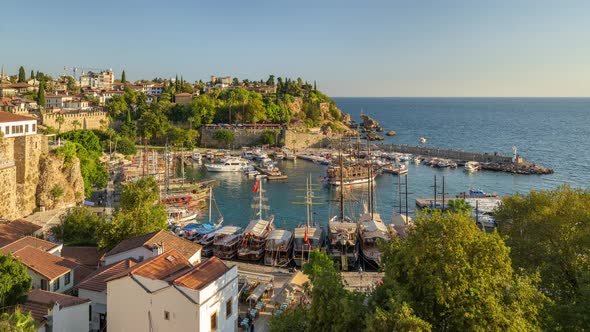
point(228, 165)
point(422, 140)
point(471, 166)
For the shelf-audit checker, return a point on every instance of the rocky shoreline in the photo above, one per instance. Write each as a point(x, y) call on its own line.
point(525, 168)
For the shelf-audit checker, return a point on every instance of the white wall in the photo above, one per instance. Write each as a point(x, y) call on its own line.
point(73, 318)
point(98, 302)
point(215, 297)
point(31, 123)
point(36, 282)
point(133, 253)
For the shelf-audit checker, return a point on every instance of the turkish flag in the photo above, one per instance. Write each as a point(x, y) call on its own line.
point(255, 189)
point(305, 238)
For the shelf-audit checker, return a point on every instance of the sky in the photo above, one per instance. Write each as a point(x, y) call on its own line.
point(350, 48)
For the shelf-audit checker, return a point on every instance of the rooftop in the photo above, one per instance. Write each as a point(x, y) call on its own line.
point(39, 302)
point(11, 231)
point(44, 263)
point(88, 256)
point(9, 117)
point(203, 274)
point(97, 281)
point(153, 240)
point(28, 241)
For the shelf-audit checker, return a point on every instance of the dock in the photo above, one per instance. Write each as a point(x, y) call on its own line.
point(427, 202)
point(272, 176)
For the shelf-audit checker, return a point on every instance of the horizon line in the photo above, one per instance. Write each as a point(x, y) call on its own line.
point(474, 97)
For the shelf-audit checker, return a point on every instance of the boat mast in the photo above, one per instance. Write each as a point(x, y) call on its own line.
point(210, 201)
point(260, 198)
point(341, 184)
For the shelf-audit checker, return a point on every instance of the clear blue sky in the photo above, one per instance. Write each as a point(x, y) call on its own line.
point(352, 48)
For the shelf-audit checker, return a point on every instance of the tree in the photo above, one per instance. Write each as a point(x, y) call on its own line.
point(459, 205)
point(17, 322)
point(269, 137)
point(78, 227)
point(123, 78)
point(225, 136)
point(32, 75)
point(15, 283)
point(549, 233)
point(271, 80)
point(76, 124)
point(235, 81)
point(60, 121)
point(41, 94)
point(140, 213)
point(333, 307)
point(22, 76)
point(457, 278)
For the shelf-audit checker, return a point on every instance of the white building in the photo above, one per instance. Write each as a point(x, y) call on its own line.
point(57, 312)
point(152, 244)
point(94, 287)
point(14, 125)
point(47, 271)
point(57, 100)
point(103, 80)
point(167, 293)
point(49, 247)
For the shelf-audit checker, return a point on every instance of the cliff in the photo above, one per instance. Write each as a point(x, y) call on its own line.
point(30, 177)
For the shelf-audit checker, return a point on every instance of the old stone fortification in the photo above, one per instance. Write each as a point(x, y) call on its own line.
point(29, 174)
point(292, 138)
point(297, 139)
point(88, 120)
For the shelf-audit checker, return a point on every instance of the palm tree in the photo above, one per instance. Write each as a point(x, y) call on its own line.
point(76, 123)
point(60, 120)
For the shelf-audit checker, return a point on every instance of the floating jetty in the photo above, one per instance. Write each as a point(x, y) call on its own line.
point(270, 175)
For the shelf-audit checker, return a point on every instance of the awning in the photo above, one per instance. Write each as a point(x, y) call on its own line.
point(257, 293)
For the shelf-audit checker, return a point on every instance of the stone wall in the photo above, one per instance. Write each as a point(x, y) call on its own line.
point(88, 120)
point(244, 137)
point(302, 138)
point(23, 178)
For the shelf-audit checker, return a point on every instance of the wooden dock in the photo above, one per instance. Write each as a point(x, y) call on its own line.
point(272, 176)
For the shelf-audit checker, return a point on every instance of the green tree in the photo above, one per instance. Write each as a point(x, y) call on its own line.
point(60, 121)
point(78, 227)
point(41, 94)
point(17, 322)
point(271, 80)
point(225, 136)
point(269, 137)
point(15, 283)
point(459, 205)
point(123, 78)
point(549, 233)
point(76, 124)
point(22, 76)
point(32, 75)
point(140, 213)
point(458, 278)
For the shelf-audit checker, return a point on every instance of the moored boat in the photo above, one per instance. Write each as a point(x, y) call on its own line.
point(278, 247)
point(471, 166)
point(228, 165)
point(255, 234)
point(226, 241)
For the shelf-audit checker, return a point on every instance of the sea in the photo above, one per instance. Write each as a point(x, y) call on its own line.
point(553, 132)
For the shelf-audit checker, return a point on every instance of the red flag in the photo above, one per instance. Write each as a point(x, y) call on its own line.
point(305, 238)
point(255, 189)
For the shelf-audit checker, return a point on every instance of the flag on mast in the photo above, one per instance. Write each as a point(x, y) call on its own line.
point(255, 189)
point(305, 238)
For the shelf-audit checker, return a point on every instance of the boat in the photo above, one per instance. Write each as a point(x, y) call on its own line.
point(471, 166)
point(255, 234)
point(279, 155)
point(196, 156)
point(247, 154)
point(202, 234)
point(371, 230)
point(226, 241)
point(290, 155)
point(178, 215)
point(347, 174)
point(308, 236)
point(228, 165)
point(422, 140)
point(343, 232)
point(278, 248)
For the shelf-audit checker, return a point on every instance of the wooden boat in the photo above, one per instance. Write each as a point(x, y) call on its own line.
point(226, 241)
point(307, 236)
point(255, 234)
point(278, 247)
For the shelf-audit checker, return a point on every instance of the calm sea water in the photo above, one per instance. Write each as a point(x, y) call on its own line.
point(550, 131)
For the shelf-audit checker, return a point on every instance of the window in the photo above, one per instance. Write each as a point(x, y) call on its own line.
point(33, 127)
point(214, 321)
point(67, 278)
point(228, 308)
point(56, 285)
point(7, 130)
point(43, 284)
point(26, 128)
point(90, 313)
point(140, 258)
point(166, 315)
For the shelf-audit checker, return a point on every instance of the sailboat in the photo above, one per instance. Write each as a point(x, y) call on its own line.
point(204, 234)
point(343, 232)
point(371, 229)
point(308, 236)
point(255, 235)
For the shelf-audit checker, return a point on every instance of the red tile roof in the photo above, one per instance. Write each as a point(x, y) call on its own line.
point(39, 302)
point(45, 264)
point(203, 274)
point(9, 117)
point(97, 281)
point(87, 256)
point(153, 240)
point(28, 241)
point(183, 94)
point(13, 230)
point(160, 267)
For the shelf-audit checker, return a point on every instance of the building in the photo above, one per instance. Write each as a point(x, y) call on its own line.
point(11, 231)
point(57, 100)
point(103, 80)
point(77, 104)
point(167, 293)
point(18, 105)
point(183, 98)
point(24, 87)
point(153, 244)
point(94, 287)
point(49, 247)
point(224, 81)
point(14, 125)
point(86, 256)
point(57, 312)
point(47, 271)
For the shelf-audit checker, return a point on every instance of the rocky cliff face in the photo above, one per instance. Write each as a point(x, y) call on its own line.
point(30, 177)
point(59, 184)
